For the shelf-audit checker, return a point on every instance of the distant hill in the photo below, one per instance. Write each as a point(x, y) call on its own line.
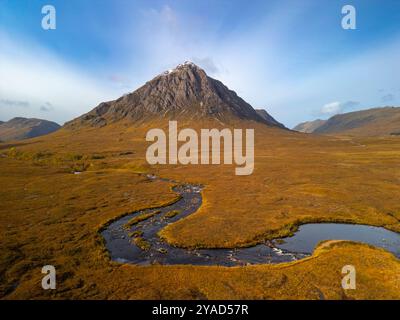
point(185, 92)
point(309, 126)
point(370, 122)
point(23, 128)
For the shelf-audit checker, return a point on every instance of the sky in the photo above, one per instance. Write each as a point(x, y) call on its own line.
point(289, 57)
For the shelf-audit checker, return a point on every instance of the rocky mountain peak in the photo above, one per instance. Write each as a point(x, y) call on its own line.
point(186, 66)
point(185, 91)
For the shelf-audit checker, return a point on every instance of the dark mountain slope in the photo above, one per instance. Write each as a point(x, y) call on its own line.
point(23, 128)
point(267, 117)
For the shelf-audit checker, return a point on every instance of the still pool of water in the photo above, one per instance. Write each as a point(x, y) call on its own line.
point(308, 236)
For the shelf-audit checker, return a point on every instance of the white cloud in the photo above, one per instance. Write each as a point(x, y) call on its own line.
point(255, 61)
point(252, 59)
point(207, 64)
point(331, 108)
point(338, 107)
point(37, 76)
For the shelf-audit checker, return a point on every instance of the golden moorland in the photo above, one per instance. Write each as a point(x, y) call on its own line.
point(48, 215)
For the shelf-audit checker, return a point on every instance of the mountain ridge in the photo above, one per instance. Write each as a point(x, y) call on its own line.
point(20, 128)
point(369, 122)
point(309, 126)
point(183, 92)
point(266, 116)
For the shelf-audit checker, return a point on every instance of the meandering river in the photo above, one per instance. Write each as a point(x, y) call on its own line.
point(119, 238)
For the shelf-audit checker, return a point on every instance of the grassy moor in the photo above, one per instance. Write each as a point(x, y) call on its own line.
point(163, 183)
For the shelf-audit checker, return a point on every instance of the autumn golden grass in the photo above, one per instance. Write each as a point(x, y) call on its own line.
point(136, 233)
point(141, 243)
point(171, 214)
point(48, 215)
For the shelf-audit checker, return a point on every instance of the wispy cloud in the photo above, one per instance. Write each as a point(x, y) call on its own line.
point(35, 75)
point(14, 103)
point(388, 97)
point(265, 52)
point(331, 108)
point(46, 107)
point(165, 16)
point(338, 107)
point(208, 64)
point(268, 65)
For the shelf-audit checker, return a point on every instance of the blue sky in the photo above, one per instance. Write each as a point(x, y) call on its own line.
point(290, 57)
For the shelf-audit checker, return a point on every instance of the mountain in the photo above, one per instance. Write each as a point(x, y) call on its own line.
point(309, 126)
point(267, 117)
point(23, 128)
point(184, 92)
point(370, 122)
